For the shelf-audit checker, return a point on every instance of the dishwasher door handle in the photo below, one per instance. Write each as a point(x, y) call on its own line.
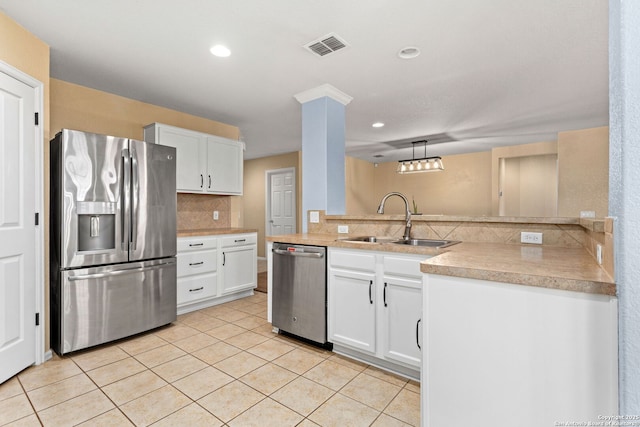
point(295, 253)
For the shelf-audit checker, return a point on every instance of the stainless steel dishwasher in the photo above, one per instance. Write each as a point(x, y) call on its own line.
point(300, 291)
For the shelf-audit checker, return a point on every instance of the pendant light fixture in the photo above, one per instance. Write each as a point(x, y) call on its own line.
point(423, 164)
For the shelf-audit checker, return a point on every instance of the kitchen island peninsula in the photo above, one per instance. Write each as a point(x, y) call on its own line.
point(526, 331)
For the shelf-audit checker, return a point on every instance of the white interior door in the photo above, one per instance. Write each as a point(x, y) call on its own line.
point(17, 227)
point(281, 202)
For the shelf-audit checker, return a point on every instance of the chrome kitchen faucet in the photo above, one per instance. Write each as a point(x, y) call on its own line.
point(407, 228)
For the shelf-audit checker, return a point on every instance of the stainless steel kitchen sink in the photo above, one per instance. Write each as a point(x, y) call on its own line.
point(367, 239)
point(433, 243)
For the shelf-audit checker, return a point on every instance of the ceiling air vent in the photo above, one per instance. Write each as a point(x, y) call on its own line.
point(326, 45)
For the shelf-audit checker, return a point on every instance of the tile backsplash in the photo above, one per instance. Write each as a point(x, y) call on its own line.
point(195, 211)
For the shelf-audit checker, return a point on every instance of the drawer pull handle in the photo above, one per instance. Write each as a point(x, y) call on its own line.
point(196, 244)
point(196, 263)
point(196, 289)
point(240, 240)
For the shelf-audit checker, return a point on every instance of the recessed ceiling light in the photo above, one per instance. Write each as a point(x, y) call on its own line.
point(409, 52)
point(220, 51)
point(377, 125)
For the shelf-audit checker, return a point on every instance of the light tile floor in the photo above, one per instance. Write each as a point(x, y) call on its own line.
point(220, 366)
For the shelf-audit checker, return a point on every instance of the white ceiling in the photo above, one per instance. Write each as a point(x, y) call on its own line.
point(490, 73)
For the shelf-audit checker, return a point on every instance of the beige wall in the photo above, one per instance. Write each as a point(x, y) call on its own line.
point(359, 186)
point(464, 188)
point(27, 53)
point(470, 183)
point(254, 198)
point(583, 174)
point(82, 108)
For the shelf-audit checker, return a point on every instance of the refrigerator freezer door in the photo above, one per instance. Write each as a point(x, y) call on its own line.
point(153, 201)
point(96, 305)
point(86, 199)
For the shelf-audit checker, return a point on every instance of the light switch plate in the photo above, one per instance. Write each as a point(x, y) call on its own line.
point(343, 229)
point(314, 216)
point(216, 215)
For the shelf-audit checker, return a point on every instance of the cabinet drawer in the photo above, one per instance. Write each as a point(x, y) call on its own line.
point(352, 260)
point(239, 240)
point(197, 287)
point(191, 263)
point(405, 265)
point(196, 243)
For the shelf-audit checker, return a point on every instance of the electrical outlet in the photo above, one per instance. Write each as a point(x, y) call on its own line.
point(529, 237)
point(599, 254)
point(587, 214)
point(314, 216)
point(215, 215)
point(343, 229)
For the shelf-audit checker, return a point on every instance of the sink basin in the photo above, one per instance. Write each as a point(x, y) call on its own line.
point(367, 239)
point(433, 243)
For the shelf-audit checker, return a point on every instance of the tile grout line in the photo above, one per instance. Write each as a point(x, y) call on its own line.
point(24, 391)
point(225, 313)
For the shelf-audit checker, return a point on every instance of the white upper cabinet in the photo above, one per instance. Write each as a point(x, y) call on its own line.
point(204, 163)
point(224, 166)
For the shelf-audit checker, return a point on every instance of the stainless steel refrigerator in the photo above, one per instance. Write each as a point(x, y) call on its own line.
point(112, 238)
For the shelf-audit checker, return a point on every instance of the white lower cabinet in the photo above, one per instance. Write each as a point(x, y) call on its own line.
point(534, 356)
point(239, 263)
point(352, 312)
point(211, 272)
point(197, 274)
point(402, 318)
point(375, 307)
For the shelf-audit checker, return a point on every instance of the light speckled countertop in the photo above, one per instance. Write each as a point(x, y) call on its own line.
point(572, 269)
point(214, 231)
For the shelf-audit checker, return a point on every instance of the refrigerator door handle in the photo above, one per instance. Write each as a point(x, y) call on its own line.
point(135, 200)
point(117, 272)
point(126, 196)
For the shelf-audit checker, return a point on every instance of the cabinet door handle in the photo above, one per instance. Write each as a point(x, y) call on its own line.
point(224, 259)
point(418, 333)
point(201, 181)
point(370, 286)
point(196, 263)
point(384, 294)
point(209, 181)
point(196, 289)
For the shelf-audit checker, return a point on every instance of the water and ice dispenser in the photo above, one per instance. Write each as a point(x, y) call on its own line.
point(96, 226)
